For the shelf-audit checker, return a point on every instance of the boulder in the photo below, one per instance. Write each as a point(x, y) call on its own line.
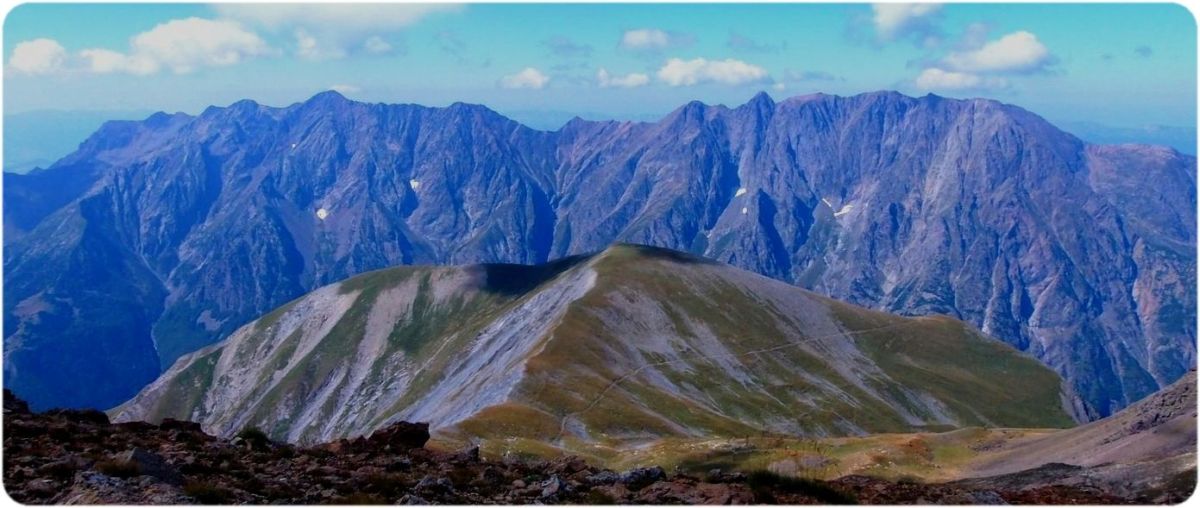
point(640, 477)
point(151, 464)
point(403, 435)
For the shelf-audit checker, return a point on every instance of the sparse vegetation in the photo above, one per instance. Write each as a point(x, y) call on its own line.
point(255, 436)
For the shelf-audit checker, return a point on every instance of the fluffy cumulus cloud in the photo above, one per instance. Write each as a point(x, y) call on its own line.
point(181, 45)
point(1018, 52)
point(106, 61)
point(984, 65)
point(653, 40)
point(631, 80)
point(37, 57)
point(895, 20)
point(334, 30)
point(528, 77)
point(679, 72)
point(934, 78)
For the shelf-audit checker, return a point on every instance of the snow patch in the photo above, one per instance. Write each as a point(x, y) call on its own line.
point(415, 184)
point(739, 192)
point(845, 210)
point(745, 210)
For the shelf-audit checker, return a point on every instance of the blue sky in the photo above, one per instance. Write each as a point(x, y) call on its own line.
point(1116, 64)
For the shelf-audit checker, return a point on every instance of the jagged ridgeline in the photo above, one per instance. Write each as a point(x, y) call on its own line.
point(159, 237)
point(632, 343)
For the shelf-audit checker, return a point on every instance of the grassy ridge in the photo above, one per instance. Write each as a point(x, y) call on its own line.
point(662, 345)
point(694, 301)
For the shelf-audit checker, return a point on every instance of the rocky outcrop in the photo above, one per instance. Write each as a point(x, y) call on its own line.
point(160, 237)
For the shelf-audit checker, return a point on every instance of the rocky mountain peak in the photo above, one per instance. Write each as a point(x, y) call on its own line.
point(327, 98)
point(971, 208)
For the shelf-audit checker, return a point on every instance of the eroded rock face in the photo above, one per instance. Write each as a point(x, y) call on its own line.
point(185, 228)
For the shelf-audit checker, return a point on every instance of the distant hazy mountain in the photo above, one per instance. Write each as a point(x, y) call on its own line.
point(555, 120)
point(38, 138)
point(631, 344)
point(162, 236)
point(1179, 138)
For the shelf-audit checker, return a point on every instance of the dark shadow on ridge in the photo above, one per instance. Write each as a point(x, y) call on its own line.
point(665, 254)
point(513, 280)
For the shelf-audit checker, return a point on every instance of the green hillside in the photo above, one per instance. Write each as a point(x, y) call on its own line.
point(627, 346)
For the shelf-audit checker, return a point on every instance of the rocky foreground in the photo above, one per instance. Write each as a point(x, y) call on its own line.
point(79, 457)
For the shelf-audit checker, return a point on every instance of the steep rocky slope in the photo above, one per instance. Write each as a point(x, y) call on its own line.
point(631, 344)
point(160, 237)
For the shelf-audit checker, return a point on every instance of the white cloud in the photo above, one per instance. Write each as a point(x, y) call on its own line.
point(185, 44)
point(1017, 52)
point(645, 38)
point(105, 61)
point(333, 30)
point(631, 80)
point(376, 45)
point(345, 89)
point(181, 45)
point(652, 40)
point(894, 20)
point(934, 78)
point(38, 56)
point(679, 72)
point(357, 18)
point(306, 45)
point(527, 78)
point(310, 48)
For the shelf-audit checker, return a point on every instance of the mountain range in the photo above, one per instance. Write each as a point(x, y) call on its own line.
point(159, 237)
point(628, 345)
